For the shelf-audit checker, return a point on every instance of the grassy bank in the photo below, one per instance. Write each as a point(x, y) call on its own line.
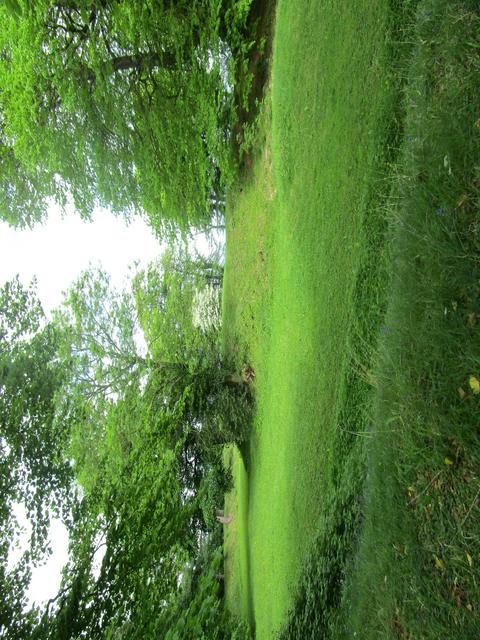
point(357, 511)
point(417, 571)
point(298, 238)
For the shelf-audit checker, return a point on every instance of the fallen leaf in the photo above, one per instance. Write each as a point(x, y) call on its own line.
point(454, 305)
point(470, 559)
point(438, 563)
point(462, 201)
point(474, 384)
point(472, 319)
point(411, 491)
point(459, 594)
point(448, 461)
point(477, 123)
point(461, 393)
point(469, 607)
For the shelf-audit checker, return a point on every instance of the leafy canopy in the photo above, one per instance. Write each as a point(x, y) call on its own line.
point(139, 427)
point(120, 104)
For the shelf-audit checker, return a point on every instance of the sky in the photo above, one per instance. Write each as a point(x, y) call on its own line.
point(56, 252)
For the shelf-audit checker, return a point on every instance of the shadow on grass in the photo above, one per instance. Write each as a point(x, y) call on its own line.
point(253, 79)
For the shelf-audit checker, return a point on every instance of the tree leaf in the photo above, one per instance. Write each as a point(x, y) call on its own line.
point(474, 384)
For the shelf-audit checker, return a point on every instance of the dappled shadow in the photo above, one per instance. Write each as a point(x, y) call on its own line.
point(260, 27)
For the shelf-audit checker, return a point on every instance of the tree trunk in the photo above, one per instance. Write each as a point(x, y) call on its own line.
point(133, 62)
point(142, 60)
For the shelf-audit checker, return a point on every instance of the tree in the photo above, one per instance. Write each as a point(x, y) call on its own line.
point(80, 403)
point(126, 105)
point(183, 368)
point(165, 296)
point(180, 370)
point(137, 513)
point(33, 434)
point(40, 417)
point(189, 369)
point(100, 334)
point(33, 470)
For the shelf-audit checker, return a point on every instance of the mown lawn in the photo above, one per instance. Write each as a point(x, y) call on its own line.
point(362, 474)
point(295, 245)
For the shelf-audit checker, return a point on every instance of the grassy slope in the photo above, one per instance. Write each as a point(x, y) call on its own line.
point(304, 298)
point(417, 574)
point(291, 274)
point(324, 144)
point(246, 296)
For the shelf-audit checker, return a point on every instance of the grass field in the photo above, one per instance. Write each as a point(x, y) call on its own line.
point(419, 556)
point(352, 286)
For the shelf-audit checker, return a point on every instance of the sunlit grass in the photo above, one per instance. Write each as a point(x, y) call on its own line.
point(362, 415)
point(326, 137)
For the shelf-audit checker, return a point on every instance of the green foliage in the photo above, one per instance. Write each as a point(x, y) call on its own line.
point(126, 106)
point(141, 432)
point(215, 483)
point(99, 327)
point(33, 436)
point(197, 613)
point(139, 513)
point(32, 432)
point(189, 372)
point(165, 297)
point(20, 312)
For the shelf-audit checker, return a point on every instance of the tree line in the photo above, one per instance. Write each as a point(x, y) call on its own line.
point(123, 441)
point(130, 106)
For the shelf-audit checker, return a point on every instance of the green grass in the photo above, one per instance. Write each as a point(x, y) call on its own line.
point(417, 574)
point(346, 429)
point(328, 131)
point(246, 296)
point(236, 551)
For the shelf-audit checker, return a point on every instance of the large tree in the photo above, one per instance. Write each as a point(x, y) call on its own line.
point(133, 523)
point(180, 367)
point(139, 429)
point(66, 419)
point(124, 104)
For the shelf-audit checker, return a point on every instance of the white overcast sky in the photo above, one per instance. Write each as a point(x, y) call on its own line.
point(56, 252)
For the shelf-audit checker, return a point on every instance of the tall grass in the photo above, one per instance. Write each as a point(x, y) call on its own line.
point(417, 570)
